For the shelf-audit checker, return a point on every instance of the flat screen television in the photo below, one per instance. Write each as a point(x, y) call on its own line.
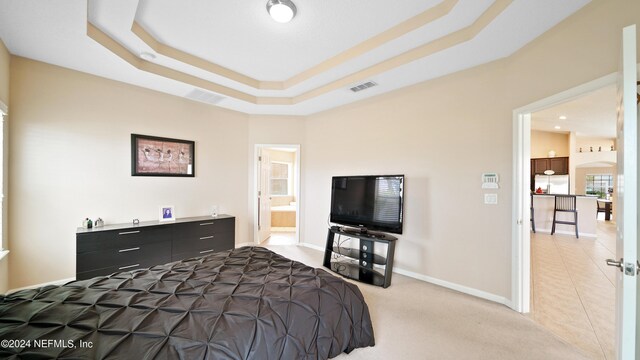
point(372, 202)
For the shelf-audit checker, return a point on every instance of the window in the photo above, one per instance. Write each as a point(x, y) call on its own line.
point(280, 178)
point(599, 184)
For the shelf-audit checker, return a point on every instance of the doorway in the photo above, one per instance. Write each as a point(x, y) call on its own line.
point(563, 282)
point(277, 194)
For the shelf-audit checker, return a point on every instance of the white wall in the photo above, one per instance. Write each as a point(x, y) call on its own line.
point(70, 159)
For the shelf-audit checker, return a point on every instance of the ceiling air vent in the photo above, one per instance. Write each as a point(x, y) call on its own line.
point(363, 86)
point(205, 96)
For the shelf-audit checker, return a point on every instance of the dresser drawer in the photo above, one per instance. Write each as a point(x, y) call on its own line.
point(122, 239)
point(125, 256)
point(141, 264)
point(203, 228)
point(186, 248)
point(213, 241)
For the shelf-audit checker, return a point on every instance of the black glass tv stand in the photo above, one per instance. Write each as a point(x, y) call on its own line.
point(360, 263)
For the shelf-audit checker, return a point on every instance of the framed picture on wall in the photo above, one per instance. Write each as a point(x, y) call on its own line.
point(159, 156)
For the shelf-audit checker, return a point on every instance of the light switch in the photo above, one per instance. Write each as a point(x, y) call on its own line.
point(491, 199)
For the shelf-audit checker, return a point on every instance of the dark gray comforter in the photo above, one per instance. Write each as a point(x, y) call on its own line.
point(247, 303)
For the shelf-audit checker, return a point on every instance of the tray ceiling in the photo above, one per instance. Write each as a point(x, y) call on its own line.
point(232, 54)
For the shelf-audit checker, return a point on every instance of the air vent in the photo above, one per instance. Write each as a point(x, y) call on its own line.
point(363, 86)
point(205, 97)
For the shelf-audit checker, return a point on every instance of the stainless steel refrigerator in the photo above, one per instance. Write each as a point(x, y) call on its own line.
point(552, 184)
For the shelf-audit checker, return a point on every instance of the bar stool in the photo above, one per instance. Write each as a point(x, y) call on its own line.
point(565, 203)
point(533, 216)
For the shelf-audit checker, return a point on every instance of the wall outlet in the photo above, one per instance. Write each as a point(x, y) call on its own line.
point(491, 199)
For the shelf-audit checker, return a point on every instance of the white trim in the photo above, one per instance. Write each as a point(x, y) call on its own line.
point(449, 285)
point(254, 186)
point(521, 253)
point(56, 282)
point(3, 253)
point(461, 288)
point(566, 232)
point(312, 246)
point(4, 109)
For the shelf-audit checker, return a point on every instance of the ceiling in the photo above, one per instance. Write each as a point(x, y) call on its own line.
point(591, 115)
point(233, 55)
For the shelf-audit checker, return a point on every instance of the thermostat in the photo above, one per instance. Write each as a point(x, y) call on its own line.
point(490, 181)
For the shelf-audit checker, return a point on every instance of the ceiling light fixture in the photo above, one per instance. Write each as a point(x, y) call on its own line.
point(281, 11)
point(557, 127)
point(562, 117)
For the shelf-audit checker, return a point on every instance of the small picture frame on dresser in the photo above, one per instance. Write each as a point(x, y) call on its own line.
point(167, 213)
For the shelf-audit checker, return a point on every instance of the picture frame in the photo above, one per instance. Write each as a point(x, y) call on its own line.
point(167, 213)
point(160, 156)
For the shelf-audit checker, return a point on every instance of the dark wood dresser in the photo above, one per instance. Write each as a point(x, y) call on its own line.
point(124, 247)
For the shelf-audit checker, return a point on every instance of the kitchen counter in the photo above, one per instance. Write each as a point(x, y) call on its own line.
point(587, 207)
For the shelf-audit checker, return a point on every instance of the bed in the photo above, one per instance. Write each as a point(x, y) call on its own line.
point(246, 303)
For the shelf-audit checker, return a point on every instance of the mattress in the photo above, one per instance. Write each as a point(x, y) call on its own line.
point(246, 303)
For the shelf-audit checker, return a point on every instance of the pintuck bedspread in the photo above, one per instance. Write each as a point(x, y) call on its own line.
point(246, 303)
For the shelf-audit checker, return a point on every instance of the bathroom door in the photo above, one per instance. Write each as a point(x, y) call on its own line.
point(264, 195)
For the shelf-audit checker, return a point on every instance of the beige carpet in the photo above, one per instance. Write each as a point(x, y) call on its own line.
point(413, 319)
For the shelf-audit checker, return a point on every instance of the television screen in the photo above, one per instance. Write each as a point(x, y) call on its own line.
point(368, 202)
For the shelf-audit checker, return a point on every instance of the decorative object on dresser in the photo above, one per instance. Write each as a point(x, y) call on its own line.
point(158, 156)
point(124, 247)
point(167, 213)
point(357, 263)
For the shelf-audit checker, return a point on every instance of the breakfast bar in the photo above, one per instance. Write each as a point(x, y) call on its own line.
point(543, 205)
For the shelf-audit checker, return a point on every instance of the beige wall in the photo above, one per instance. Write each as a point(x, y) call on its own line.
point(5, 59)
point(70, 158)
point(543, 141)
point(443, 140)
point(586, 143)
point(274, 130)
point(70, 154)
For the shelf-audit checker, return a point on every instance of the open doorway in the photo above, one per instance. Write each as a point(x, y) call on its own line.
point(277, 194)
point(572, 289)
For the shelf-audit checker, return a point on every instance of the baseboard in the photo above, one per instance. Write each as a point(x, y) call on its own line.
point(449, 285)
point(312, 246)
point(56, 282)
point(463, 289)
point(564, 232)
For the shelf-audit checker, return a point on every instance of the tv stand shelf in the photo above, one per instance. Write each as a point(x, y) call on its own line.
point(358, 263)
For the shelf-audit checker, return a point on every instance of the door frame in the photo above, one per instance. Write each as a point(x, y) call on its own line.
point(521, 237)
point(254, 186)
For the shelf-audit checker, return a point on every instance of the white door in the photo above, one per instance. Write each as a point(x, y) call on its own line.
point(264, 195)
point(627, 220)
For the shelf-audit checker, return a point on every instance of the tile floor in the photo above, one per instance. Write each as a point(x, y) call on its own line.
point(573, 290)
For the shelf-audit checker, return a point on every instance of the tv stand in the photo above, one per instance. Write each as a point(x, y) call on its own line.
point(357, 263)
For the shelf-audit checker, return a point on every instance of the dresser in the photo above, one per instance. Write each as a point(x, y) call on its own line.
point(124, 247)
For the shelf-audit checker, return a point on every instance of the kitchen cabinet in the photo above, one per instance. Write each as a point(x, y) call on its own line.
point(560, 165)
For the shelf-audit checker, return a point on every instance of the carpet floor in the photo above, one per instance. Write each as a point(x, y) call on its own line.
point(413, 319)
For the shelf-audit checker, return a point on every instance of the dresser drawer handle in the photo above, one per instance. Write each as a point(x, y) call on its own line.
point(206, 237)
point(206, 251)
point(129, 249)
point(209, 223)
point(128, 267)
point(129, 232)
